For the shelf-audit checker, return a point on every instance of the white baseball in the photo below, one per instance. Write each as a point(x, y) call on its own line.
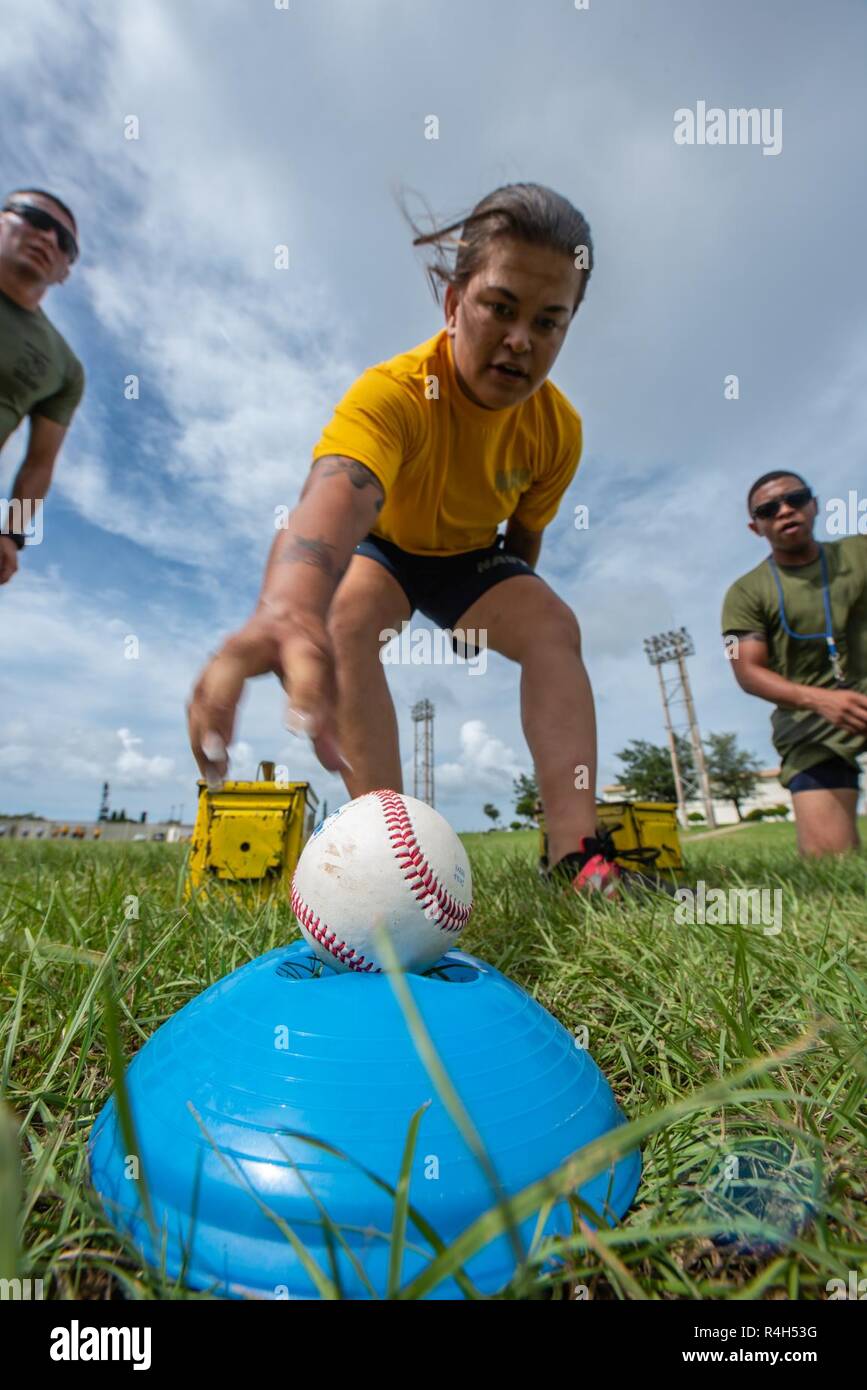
point(383, 859)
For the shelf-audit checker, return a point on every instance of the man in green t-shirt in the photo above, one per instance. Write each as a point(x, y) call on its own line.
point(40, 376)
point(796, 630)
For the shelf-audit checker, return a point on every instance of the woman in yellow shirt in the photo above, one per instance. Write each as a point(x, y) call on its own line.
point(425, 456)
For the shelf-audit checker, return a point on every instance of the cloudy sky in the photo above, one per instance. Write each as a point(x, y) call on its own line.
point(260, 126)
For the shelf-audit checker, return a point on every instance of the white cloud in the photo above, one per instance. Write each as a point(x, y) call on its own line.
point(485, 763)
point(239, 364)
point(80, 713)
point(133, 769)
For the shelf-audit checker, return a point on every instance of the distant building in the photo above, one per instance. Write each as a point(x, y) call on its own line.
point(37, 828)
point(768, 793)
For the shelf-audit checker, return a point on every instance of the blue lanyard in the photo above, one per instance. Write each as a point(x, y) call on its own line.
point(828, 635)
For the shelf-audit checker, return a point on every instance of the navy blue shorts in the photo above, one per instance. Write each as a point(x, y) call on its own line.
point(830, 774)
point(443, 587)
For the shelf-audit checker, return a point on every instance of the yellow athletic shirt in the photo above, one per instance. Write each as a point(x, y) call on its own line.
point(452, 470)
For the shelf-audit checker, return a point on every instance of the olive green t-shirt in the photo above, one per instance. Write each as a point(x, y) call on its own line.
point(752, 604)
point(39, 372)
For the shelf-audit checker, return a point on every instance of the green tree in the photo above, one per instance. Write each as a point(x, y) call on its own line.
point(733, 772)
point(647, 772)
point(491, 812)
point(526, 790)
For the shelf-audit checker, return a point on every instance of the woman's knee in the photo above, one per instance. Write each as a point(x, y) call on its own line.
point(554, 625)
point(354, 629)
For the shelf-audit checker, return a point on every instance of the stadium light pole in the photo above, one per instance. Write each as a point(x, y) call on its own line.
point(672, 648)
point(423, 768)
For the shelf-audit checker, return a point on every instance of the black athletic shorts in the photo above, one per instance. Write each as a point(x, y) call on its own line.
point(443, 587)
point(832, 773)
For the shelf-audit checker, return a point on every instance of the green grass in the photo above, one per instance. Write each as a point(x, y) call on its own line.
point(669, 1010)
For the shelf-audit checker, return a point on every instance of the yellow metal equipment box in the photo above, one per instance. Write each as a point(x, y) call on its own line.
point(645, 835)
point(643, 831)
point(250, 832)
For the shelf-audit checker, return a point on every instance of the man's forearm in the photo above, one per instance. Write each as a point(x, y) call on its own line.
point(32, 482)
point(768, 685)
point(21, 510)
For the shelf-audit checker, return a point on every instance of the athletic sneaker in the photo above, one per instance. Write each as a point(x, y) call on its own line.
point(592, 869)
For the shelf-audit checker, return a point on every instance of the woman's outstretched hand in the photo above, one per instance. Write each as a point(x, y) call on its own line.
point(299, 652)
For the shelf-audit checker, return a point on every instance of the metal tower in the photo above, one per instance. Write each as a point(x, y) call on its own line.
point(423, 771)
point(672, 648)
point(103, 805)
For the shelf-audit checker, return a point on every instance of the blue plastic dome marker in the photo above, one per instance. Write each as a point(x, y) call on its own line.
point(285, 1044)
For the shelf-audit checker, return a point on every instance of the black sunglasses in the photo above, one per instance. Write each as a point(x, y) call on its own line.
point(44, 222)
point(765, 511)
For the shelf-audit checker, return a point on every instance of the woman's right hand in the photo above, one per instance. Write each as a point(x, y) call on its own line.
point(299, 652)
point(287, 634)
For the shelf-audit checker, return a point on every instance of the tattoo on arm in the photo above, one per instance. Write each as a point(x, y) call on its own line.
point(304, 550)
point(359, 475)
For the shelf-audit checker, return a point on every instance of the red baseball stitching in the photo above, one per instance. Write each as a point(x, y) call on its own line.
point(422, 880)
point(320, 933)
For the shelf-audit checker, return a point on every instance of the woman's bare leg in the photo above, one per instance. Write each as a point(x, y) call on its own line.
point(368, 601)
